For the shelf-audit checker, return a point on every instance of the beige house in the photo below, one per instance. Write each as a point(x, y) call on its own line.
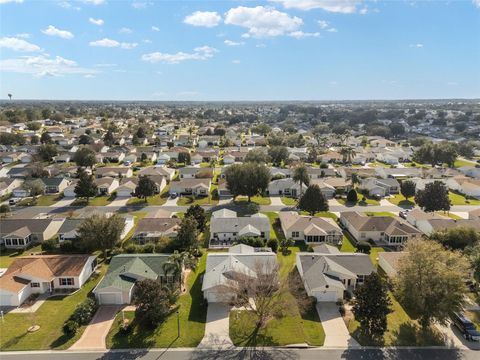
point(20, 233)
point(195, 187)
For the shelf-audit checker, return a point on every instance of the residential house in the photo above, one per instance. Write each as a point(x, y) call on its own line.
point(389, 262)
point(384, 230)
point(155, 228)
point(106, 185)
point(168, 173)
point(465, 186)
point(310, 229)
point(127, 187)
point(20, 233)
point(379, 187)
point(429, 226)
point(68, 230)
point(113, 171)
point(223, 267)
point(195, 187)
point(285, 187)
point(226, 228)
point(329, 274)
point(39, 274)
point(192, 172)
point(118, 285)
point(7, 185)
point(55, 185)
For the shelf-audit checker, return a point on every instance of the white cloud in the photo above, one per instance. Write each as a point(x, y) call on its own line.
point(125, 30)
point(98, 22)
point(11, 1)
point(147, 41)
point(364, 11)
point(67, 5)
point(158, 94)
point(89, 76)
point(17, 44)
point(199, 53)
point(233, 43)
point(236, 62)
point(476, 3)
point(43, 65)
point(105, 65)
point(23, 35)
point(207, 19)
point(187, 93)
point(262, 21)
point(418, 46)
point(155, 28)
point(300, 34)
point(335, 6)
point(261, 46)
point(94, 2)
point(53, 31)
point(105, 42)
point(325, 25)
point(141, 4)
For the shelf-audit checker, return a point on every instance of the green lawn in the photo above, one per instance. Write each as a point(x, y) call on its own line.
point(367, 201)
point(295, 325)
point(457, 199)
point(260, 200)
point(44, 200)
point(158, 199)
point(324, 214)
point(50, 317)
point(347, 245)
point(401, 330)
point(7, 256)
point(192, 314)
point(460, 163)
point(289, 201)
point(374, 254)
point(415, 164)
point(96, 201)
point(378, 164)
point(276, 231)
point(399, 199)
point(379, 213)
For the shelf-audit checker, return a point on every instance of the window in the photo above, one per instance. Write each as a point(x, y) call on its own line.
point(262, 234)
point(66, 281)
point(362, 235)
point(8, 242)
point(295, 234)
point(35, 285)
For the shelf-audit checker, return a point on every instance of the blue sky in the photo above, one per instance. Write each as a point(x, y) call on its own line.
point(239, 50)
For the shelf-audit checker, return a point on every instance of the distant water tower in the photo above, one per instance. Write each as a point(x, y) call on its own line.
point(10, 96)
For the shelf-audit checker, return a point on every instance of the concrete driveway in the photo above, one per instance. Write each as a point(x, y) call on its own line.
point(94, 335)
point(455, 339)
point(120, 201)
point(336, 332)
point(66, 201)
point(217, 327)
point(276, 200)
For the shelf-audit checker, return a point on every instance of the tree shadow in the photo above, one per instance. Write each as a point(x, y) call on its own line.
point(138, 337)
point(124, 355)
point(13, 341)
point(402, 354)
point(198, 309)
point(410, 334)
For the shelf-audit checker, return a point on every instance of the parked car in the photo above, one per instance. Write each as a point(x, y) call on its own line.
point(466, 327)
point(173, 195)
point(403, 214)
point(13, 201)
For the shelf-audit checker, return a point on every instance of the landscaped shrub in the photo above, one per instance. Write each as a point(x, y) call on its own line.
point(148, 248)
point(273, 244)
point(352, 196)
point(252, 241)
point(49, 245)
point(131, 249)
point(364, 247)
point(84, 312)
point(67, 246)
point(70, 327)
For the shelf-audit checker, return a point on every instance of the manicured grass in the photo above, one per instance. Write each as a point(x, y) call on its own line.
point(367, 201)
point(379, 213)
point(399, 199)
point(460, 163)
point(415, 164)
point(276, 231)
point(50, 317)
point(324, 214)
point(158, 199)
point(347, 245)
point(189, 200)
point(44, 200)
point(378, 164)
point(457, 199)
point(289, 201)
point(296, 324)
point(374, 255)
point(192, 314)
point(96, 201)
point(8, 256)
point(260, 200)
point(401, 330)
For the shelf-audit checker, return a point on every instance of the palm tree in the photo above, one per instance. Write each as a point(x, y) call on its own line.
point(348, 154)
point(174, 265)
point(300, 175)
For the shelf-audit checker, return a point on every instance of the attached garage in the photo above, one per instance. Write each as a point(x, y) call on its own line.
point(7, 300)
point(110, 298)
point(328, 296)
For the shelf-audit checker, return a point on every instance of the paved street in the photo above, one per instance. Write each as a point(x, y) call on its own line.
point(259, 354)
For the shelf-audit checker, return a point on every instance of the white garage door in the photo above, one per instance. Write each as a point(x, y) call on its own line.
point(327, 296)
point(5, 300)
point(109, 298)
